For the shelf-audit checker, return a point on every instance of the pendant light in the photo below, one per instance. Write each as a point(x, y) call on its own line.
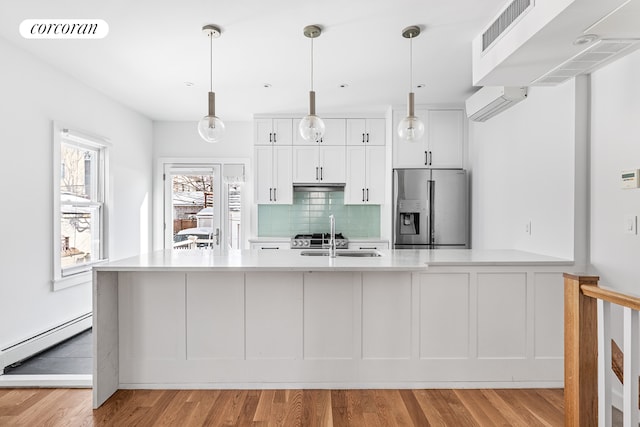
point(311, 127)
point(210, 127)
point(411, 128)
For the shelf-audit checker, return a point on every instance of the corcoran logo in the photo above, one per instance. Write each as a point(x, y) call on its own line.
point(64, 29)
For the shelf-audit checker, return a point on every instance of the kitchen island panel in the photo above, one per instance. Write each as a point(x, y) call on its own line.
point(274, 315)
point(386, 315)
point(444, 316)
point(548, 314)
point(502, 315)
point(331, 313)
point(152, 316)
point(215, 316)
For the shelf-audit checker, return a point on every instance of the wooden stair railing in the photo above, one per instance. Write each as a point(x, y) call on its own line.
point(582, 295)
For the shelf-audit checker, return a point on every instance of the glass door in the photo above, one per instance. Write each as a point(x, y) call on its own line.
point(193, 206)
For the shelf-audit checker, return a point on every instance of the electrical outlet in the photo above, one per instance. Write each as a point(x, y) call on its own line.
point(631, 224)
point(527, 227)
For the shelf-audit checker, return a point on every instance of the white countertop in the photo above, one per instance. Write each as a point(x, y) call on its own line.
point(291, 260)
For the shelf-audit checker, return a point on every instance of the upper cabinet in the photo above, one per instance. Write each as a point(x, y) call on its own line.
point(334, 133)
point(273, 131)
point(322, 161)
point(442, 145)
point(273, 175)
point(365, 131)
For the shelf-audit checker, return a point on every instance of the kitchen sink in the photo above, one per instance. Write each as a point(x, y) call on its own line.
point(340, 252)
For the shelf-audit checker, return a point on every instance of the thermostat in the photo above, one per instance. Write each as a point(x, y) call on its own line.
point(630, 178)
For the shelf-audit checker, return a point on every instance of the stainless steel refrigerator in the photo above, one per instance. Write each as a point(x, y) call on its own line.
point(430, 209)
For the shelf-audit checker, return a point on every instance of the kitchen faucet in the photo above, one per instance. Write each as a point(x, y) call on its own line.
point(332, 239)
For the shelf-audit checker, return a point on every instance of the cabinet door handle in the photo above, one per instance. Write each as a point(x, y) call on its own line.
point(426, 158)
point(274, 137)
point(316, 173)
point(268, 248)
point(275, 194)
point(363, 138)
point(430, 157)
point(271, 194)
point(367, 194)
point(363, 194)
point(321, 178)
point(367, 137)
point(270, 137)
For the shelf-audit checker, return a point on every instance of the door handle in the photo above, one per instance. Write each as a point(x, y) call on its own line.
point(321, 178)
point(271, 194)
point(274, 137)
point(426, 158)
point(363, 194)
point(316, 173)
point(270, 137)
point(367, 137)
point(430, 157)
point(363, 138)
point(367, 194)
point(275, 194)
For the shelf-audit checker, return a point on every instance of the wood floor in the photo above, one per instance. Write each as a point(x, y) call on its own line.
point(370, 408)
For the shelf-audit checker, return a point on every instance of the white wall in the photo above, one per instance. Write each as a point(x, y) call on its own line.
point(615, 146)
point(180, 140)
point(33, 96)
point(522, 169)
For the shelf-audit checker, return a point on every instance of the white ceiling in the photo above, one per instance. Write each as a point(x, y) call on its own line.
point(154, 46)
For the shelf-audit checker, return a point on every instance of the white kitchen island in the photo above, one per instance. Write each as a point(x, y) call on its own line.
point(276, 319)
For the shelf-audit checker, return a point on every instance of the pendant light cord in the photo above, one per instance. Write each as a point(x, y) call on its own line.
point(210, 62)
point(410, 63)
point(312, 64)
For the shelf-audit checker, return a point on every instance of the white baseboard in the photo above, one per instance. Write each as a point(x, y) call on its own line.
point(43, 341)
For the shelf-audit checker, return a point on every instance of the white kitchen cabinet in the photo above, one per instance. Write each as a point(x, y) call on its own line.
point(442, 145)
point(319, 164)
point(365, 131)
point(365, 183)
point(274, 183)
point(273, 131)
point(334, 133)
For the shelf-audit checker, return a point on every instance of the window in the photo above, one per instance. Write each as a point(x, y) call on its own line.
point(79, 205)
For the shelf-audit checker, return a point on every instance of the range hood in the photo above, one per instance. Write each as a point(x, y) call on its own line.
point(318, 187)
point(547, 42)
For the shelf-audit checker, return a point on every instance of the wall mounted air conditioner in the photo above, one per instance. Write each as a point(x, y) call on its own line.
point(492, 100)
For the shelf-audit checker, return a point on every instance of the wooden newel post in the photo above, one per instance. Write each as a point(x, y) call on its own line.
point(580, 353)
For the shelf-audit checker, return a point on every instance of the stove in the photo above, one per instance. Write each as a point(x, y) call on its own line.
point(318, 241)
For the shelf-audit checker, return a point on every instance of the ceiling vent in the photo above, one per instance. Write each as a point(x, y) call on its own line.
point(595, 56)
point(510, 15)
point(490, 101)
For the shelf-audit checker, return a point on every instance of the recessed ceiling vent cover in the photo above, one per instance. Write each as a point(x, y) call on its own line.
point(590, 59)
point(511, 13)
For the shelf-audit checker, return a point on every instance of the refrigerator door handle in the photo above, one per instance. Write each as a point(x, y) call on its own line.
point(431, 187)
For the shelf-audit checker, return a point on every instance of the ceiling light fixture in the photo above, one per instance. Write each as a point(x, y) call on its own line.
point(210, 127)
point(311, 126)
point(411, 128)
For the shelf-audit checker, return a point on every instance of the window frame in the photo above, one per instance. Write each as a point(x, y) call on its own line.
point(81, 274)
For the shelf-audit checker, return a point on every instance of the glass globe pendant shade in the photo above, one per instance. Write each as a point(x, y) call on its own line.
point(411, 129)
point(311, 128)
point(211, 129)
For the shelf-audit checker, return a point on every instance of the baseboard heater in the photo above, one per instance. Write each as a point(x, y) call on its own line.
point(43, 340)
